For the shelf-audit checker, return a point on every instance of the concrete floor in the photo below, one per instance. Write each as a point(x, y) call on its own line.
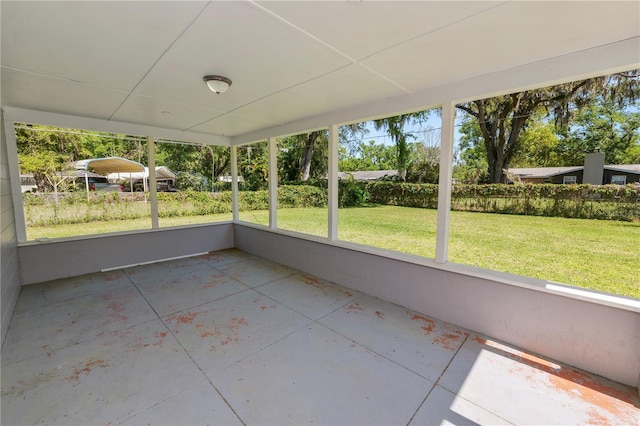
point(228, 338)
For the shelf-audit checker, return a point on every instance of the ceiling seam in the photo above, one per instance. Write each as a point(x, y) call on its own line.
point(55, 77)
point(160, 58)
point(438, 29)
point(325, 44)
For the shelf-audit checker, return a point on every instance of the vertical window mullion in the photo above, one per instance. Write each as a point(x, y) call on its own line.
point(444, 183)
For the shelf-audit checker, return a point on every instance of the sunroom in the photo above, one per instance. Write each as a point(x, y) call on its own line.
point(248, 322)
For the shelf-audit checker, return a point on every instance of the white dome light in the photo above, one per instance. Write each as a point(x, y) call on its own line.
point(217, 83)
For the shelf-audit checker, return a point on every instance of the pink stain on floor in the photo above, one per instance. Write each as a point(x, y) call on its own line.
point(379, 314)
point(222, 334)
point(214, 281)
point(354, 308)
point(186, 318)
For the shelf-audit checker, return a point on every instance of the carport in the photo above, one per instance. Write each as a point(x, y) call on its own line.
point(107, 165)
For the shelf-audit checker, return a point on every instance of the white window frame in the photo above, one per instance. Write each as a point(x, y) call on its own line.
point(567, 181)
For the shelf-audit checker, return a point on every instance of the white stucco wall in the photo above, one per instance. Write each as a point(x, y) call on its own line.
point(67, 258)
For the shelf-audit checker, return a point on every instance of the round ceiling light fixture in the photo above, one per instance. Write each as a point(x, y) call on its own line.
point(217, 83)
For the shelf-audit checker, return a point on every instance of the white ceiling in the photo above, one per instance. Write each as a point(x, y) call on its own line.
point(293, 64)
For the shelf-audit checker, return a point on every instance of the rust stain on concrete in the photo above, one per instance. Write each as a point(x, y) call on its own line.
point(214, 281)
point(450, 341)
point(85, 369)
point(223, 334)
point(354, 308)
point(186, 318)
point(429, 324)
point(324, 286)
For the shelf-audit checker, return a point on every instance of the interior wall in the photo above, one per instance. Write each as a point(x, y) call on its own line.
point(10, 281)
point(44, 261)
point(597, 338)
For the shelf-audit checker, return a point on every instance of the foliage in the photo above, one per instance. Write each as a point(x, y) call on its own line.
point(352, 193)
point(367, 156)
point(425, 165)
point(187, 181)
point(606, 202)
point(303, 156)
point(45, 150)
point(253, 166)
point(502, 119)
point(606, 127)
point(395, 127)
point(539, 147)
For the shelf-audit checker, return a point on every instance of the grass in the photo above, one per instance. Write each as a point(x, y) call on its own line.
point(594, 254)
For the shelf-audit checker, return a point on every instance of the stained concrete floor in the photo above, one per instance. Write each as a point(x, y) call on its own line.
point(228, 338)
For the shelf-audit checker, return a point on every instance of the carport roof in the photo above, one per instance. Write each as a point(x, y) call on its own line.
point(138, 67)
point(108, 165)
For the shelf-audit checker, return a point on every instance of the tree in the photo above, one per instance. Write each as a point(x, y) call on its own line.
point(303, 156)
point(395, 126)
point(472, 165)
point(606, 127)
point(309, 144)
point(502, 119)
point(425, 164)
point(368, 156)
point(253, 166)
point(539, 146)
point(46, 153)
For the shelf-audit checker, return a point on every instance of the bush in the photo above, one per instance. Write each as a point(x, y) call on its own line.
point(352, 192)
point(608, 202)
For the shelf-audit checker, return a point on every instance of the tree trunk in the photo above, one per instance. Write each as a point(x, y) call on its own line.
point(305, 168)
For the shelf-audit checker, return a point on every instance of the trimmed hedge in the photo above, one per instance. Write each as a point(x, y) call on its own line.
point(608, 202)
point(41, 210)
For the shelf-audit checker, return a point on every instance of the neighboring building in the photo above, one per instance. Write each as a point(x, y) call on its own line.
point(139, 181)
point(600, 174)
point(28, 183)
point(368, 174)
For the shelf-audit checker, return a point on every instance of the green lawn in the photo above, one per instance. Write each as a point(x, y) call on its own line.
point(600, 255)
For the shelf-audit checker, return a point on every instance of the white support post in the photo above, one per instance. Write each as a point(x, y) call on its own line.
point(153, 187)
point(333, 182)
point(234, 183)
point(273, 183)
point(444, 184)
point(14, 176)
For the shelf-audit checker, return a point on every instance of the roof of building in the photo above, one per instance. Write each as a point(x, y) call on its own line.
point(162, 172)
point(368, 174)
point(546, 172)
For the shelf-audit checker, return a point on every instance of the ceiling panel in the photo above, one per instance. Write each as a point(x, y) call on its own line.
point(157, 112)
point(353, 85)
point(231, 124)
point(288, 61)
point(361, 28)
point(478, 46)
point(43, 93)
point(110, 44)
point(260, 54)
